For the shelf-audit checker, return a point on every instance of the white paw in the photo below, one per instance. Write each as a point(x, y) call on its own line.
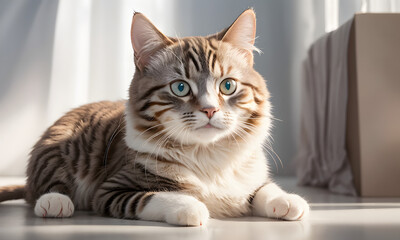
point(288, 207)
point(54, 205)
point(191, 213)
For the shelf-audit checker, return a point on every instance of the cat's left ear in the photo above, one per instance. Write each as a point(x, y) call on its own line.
point(146, 40)
point(242, 33)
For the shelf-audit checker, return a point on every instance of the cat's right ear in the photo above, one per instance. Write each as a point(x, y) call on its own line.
point(146, 40)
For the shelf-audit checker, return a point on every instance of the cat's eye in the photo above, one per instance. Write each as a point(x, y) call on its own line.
point(228, 86)
point(180, 88)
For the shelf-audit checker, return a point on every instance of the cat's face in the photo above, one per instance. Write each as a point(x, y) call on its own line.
point(197, 90)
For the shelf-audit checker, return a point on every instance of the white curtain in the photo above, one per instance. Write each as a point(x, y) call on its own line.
point(26, 40)
point(92, 53)
point(56, 55)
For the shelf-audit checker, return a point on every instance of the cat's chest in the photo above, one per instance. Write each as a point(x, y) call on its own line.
point(223, 180)
point(225, 199)
point(226, 193)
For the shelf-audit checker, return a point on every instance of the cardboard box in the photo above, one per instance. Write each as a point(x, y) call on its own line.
point(373, 114)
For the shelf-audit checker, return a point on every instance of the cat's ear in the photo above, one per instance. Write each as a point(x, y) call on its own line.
point(146, 39)
point(242, 33)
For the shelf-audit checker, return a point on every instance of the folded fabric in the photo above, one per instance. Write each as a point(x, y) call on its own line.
point(322, 160)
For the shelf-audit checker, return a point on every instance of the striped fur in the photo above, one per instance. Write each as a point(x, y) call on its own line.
point(157, 156)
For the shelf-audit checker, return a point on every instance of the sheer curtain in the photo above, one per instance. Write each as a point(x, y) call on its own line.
point(26, 40)
point(92, 53)
point(57, 55)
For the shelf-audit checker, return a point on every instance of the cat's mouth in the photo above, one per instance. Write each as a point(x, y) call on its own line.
point(208, 126)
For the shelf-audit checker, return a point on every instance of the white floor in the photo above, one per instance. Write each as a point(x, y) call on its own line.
point(332, 217)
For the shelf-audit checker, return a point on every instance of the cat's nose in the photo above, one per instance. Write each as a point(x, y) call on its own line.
point(210, 111)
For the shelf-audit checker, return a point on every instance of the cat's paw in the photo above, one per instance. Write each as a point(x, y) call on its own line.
point(191, 213)
point(288, 207)
point(54, 205)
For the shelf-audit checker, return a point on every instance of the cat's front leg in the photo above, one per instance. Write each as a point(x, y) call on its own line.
point(171, 207)
point(271, 201)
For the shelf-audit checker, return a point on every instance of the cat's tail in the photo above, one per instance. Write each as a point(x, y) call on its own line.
point(12, 192)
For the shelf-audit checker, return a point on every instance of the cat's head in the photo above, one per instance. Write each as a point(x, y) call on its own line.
point(196, 90)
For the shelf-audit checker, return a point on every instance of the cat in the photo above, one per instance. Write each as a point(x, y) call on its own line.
point(187, 145)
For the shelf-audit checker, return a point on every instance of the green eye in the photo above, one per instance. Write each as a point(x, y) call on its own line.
point(180, 88)
point(228, 86)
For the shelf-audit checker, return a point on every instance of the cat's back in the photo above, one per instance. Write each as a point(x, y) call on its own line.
point(71, 154)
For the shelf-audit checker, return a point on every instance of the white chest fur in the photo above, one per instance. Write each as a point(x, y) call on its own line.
point(223, 180)
point(227, 194)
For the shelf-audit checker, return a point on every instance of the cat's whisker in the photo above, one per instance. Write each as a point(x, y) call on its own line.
point(233, 135)
point(152, 137)
point(165, 133)
point(249, 126)
point(158, 149)
point(166, 137)
point(186, 137)
point(246, 117)
point(157, 134)
point(182, 129)
point(240, 134)
point(273, 158)
point(155, 152)
point(269, 147)
point(157, 125)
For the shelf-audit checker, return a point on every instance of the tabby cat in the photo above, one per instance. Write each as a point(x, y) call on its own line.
point(187, 144)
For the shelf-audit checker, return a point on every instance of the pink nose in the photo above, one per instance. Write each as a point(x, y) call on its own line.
point(210, 111)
